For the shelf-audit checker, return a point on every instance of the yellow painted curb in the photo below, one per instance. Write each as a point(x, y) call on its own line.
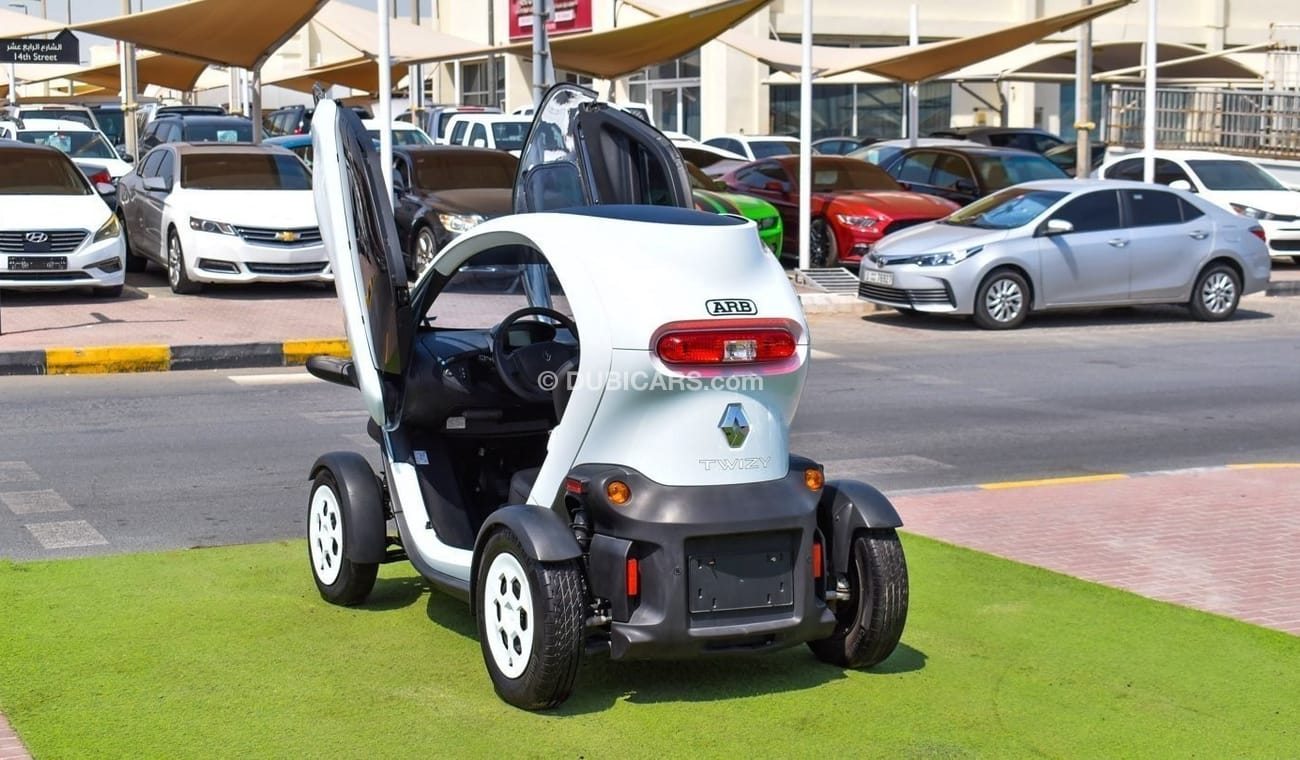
point(94, 361)
point(1266, 466)
point(298, 351)
point(1050, 481)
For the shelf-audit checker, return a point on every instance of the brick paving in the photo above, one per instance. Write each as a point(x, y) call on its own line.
point(11, 748)
point(1224, 540)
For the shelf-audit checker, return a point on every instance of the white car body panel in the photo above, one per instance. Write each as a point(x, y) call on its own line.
point(50, 213)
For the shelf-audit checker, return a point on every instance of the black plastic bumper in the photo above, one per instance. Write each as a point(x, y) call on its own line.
point(720, 568)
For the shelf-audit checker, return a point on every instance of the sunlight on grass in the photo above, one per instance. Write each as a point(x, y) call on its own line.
point(230, 652)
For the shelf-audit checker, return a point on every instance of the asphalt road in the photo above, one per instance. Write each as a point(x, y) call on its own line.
point(125, 463)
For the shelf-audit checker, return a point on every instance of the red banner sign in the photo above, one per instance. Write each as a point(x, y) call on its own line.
point(569, 16)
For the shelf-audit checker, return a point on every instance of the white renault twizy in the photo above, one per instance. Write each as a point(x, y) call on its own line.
point(628, 492)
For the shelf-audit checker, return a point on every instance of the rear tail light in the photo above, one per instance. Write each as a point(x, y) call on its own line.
point(817, 560)
point(1258, 232)
point(729, 344)
point(633, 577)
point(101, 176)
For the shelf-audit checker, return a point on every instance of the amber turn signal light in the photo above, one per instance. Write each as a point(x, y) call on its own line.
point(618, 492)
point(814, 478)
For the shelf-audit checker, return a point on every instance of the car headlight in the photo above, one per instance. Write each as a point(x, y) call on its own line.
point(1252, 212)
point(109, 229)
point(458, 223)
point(207, 225)
point(768, 222)
point(947, 258)
point(860, 222)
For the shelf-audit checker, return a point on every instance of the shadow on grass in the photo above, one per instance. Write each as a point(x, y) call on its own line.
point(394, 594)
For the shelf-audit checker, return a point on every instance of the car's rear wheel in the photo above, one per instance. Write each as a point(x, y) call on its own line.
point(177, 277)
point(339, 580)
point(871, 620)
point(1216, 294)
point(530, 623)
point(134, 263)
point(823, 250)
point(1002, 301)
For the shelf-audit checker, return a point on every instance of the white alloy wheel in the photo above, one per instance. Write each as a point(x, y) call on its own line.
point(325, 535)
point(1219, 293)
point(425, 248)
point(1004, 300)
point(508, 612)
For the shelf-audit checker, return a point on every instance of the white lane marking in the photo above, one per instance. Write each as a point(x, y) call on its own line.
point(906, 463)
point(70, 534)
point(335, 418)
point(34, 502)
point(871, 367)
point(933, 380)
point(297, 378)
point(17, 472)
point(819, 354)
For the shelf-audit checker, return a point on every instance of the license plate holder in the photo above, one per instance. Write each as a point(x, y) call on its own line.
point(37, 263)
point(878, 278)
point(730, 576)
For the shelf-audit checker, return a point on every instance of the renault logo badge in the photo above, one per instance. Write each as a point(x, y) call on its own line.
point(36, 237)
point(734, 425)
point(288, 236)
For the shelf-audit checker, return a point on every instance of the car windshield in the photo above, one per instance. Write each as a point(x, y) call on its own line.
point(769, 148)
point(79, 144)
point(1228, 174)
point(876, 154)
point(226, 131)
point(78, 116)
point(1007, 170)
point(28, 172)
point(112, 125)
point(403, 137)
point(454, 170)
point(510, 135)
point(1011, 208)
point(244, 171)
point(834, 175)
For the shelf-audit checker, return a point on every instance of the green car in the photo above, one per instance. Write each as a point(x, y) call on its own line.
point(760, 211)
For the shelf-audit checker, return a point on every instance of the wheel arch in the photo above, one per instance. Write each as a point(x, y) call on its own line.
point(541, 531)
point(362, 501)
point(1226, 260)
point(850, 506)
point(1009, 266)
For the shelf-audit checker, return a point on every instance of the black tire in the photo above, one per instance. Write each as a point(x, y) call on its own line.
point(822, 248)
point(134, 263)
point(1295, 259)
point(1216, 294)
point(1002, 300)
point(114, 291)
point(532, 652)
point(177, 277)
point(871, 621)
point(339, 580)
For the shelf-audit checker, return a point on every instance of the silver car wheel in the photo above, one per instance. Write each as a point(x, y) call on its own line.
point(173, 262)
point(1218, 293)
point(425, 248)
point(1004, 300)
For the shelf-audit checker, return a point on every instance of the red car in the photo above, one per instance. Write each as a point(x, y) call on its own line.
point(854, 204)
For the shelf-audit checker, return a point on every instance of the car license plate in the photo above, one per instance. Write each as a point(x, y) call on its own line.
point(37, 263)
point(878, 278)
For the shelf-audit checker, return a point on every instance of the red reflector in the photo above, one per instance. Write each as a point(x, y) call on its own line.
point(101, 176)
point(817, 559)
point(573, 485)
point(1258, 232)
point(633, 577)
point(742, 346)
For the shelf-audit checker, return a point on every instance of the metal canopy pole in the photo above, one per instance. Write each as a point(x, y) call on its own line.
point(805, 137)
point(129, 92)
point(1083, 123)
point(913, 88)
point(1149, 108)
point(415, 74)
point(541, 50)
point(385, 97)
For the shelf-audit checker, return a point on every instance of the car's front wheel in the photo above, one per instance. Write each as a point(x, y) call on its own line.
point(530, 623)
point(177, 277)
point(339, 580)
point(1216, 294)
point(1002, 301)
point(823, 250)
point(424, 248)
point(870, 622)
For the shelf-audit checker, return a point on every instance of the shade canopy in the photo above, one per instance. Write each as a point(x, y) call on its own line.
point(225, 32)
point(357, 73)
point(172, 72)
point(14, 24)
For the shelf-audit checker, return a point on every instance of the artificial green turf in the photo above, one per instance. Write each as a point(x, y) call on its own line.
point(230, 653)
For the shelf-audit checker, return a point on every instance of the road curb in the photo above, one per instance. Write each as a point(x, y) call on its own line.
point(98, 360)
point(1283, 288)
point(833, 303)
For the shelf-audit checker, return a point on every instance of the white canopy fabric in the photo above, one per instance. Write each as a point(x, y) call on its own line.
point(13, 24)
point(172, 72)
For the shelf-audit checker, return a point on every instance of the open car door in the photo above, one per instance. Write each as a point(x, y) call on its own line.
point(581, 152)
point(356, 223)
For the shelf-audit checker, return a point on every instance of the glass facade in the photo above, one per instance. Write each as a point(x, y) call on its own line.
point(866, 110)
point(476, 85)
point(672, 90)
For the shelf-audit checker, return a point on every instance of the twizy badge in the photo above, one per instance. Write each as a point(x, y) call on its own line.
point(720, 307)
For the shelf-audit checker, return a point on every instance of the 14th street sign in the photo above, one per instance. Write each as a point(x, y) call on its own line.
point(63, 48)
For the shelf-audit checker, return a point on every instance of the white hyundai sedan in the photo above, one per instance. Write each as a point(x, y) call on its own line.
point(221, 213)
point(55, 229)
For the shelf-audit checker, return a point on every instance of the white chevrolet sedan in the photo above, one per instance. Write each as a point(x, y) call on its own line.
point(55, 229)
point(221, 213)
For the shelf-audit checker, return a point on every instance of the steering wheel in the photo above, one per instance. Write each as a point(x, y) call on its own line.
point(521, 369)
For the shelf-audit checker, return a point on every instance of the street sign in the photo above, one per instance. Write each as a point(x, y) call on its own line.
point(63, 48)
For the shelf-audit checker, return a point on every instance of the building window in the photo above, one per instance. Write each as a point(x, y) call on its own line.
point(867, 110)
point(672, 91)
point(476, 86)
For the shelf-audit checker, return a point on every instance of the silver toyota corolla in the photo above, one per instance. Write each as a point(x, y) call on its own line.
point(1070, 244)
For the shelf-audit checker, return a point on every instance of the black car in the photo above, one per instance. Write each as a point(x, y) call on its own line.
point(195, 128)
point(111, 122)
point(296, 120)
point(1067, 156)
point(842, 145)
point(443, 190)
point(964, 174)
point(1024, 138)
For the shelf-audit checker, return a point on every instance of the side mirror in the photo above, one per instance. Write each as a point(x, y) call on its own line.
point(965, 186)
point(156, 184)
point(121, 152)
point(479, 142)
point(1182, 184)
point(777, 187)
point(105, 188)
point(1057, 227)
